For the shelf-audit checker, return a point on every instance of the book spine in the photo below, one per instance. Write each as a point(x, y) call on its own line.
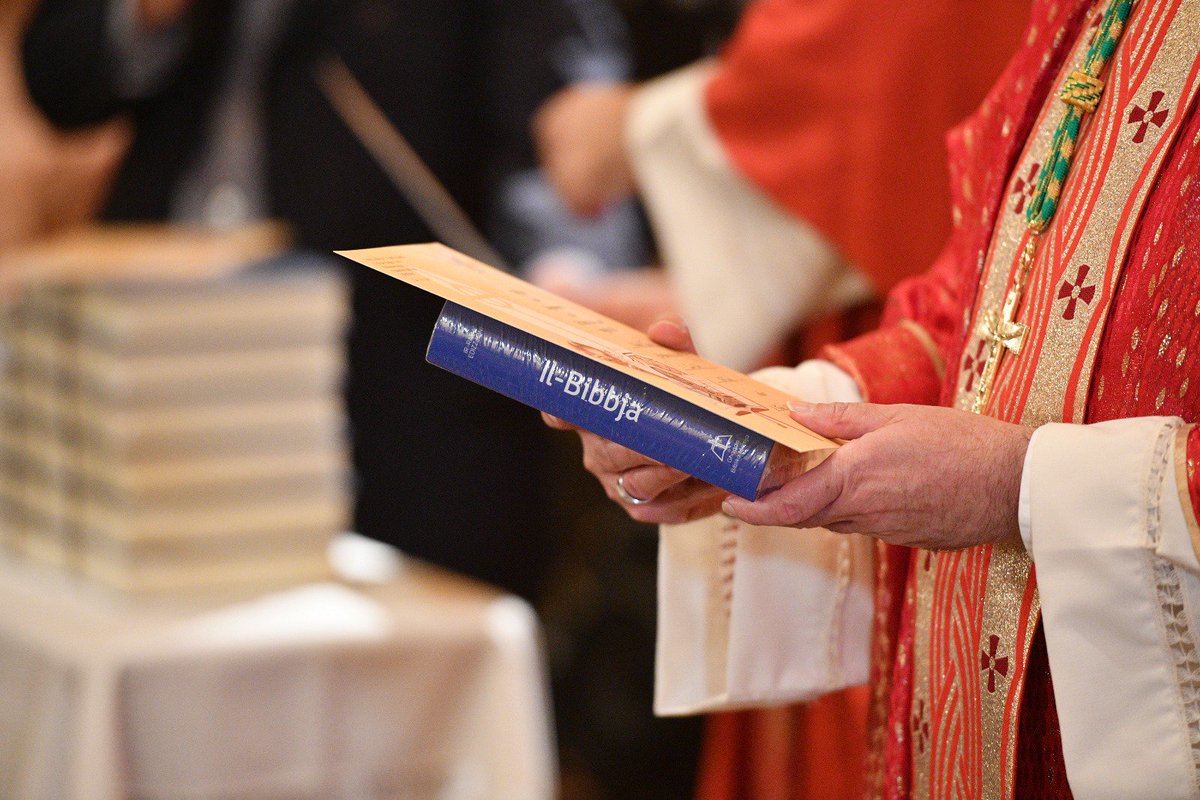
point(600, 399)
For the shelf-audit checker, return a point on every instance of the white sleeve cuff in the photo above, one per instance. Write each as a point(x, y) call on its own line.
point(1023, 513)
point(815, 381)
point(669, 111)
point(1117, 582)
point(759, 616)
point(1126, 464)
point(754, 616)
point(732, 253)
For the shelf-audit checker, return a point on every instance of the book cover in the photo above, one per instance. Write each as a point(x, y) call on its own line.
point(710, 421)
point(594, 396)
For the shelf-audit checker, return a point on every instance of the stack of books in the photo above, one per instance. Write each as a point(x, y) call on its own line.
point(170, 413)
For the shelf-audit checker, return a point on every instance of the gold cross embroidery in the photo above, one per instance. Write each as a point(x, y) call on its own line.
point(1082, 92)
point(1001, 332)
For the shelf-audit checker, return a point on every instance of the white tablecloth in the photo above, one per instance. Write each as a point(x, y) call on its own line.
point(419, 685)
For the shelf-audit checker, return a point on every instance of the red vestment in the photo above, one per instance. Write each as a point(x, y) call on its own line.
point(837, 110)
point(1139, 328)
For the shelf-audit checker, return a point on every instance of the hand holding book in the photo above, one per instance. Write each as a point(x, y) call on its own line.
point(670, 405)
point(670, 496)
point(917, 476)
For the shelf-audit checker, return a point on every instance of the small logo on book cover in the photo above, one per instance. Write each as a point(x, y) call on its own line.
point(719, 446)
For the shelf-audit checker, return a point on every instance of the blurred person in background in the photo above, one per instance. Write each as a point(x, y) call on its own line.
point(787, 182)
point(230, 125)
point(48, 179)
point(599, 610)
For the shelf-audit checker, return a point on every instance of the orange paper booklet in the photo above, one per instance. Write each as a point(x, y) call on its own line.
point(705, 419)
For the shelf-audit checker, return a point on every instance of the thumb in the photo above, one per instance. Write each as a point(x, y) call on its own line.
point(841, 420)
point(672, 332)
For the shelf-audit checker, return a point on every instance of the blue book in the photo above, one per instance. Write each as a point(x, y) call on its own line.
point(594, 372)
point(612, 404)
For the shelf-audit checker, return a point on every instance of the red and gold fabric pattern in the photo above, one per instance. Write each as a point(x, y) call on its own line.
point(984, 602)
point(912, 372)
point(1123, 244)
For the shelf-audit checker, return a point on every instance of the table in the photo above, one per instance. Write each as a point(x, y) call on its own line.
point(395, 681)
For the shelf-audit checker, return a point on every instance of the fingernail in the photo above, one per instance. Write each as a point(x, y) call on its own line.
point(727, 508)
point(675, 321)
point(800, 407)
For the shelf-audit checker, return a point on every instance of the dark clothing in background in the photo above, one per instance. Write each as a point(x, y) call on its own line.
point(698, 28)
point(446, 471)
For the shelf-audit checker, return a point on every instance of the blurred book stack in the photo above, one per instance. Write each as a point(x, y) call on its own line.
point(170, 413)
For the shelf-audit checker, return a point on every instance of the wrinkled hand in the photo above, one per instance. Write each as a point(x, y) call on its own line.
point(674, 496)
point(580, 136)
point(910, 475)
